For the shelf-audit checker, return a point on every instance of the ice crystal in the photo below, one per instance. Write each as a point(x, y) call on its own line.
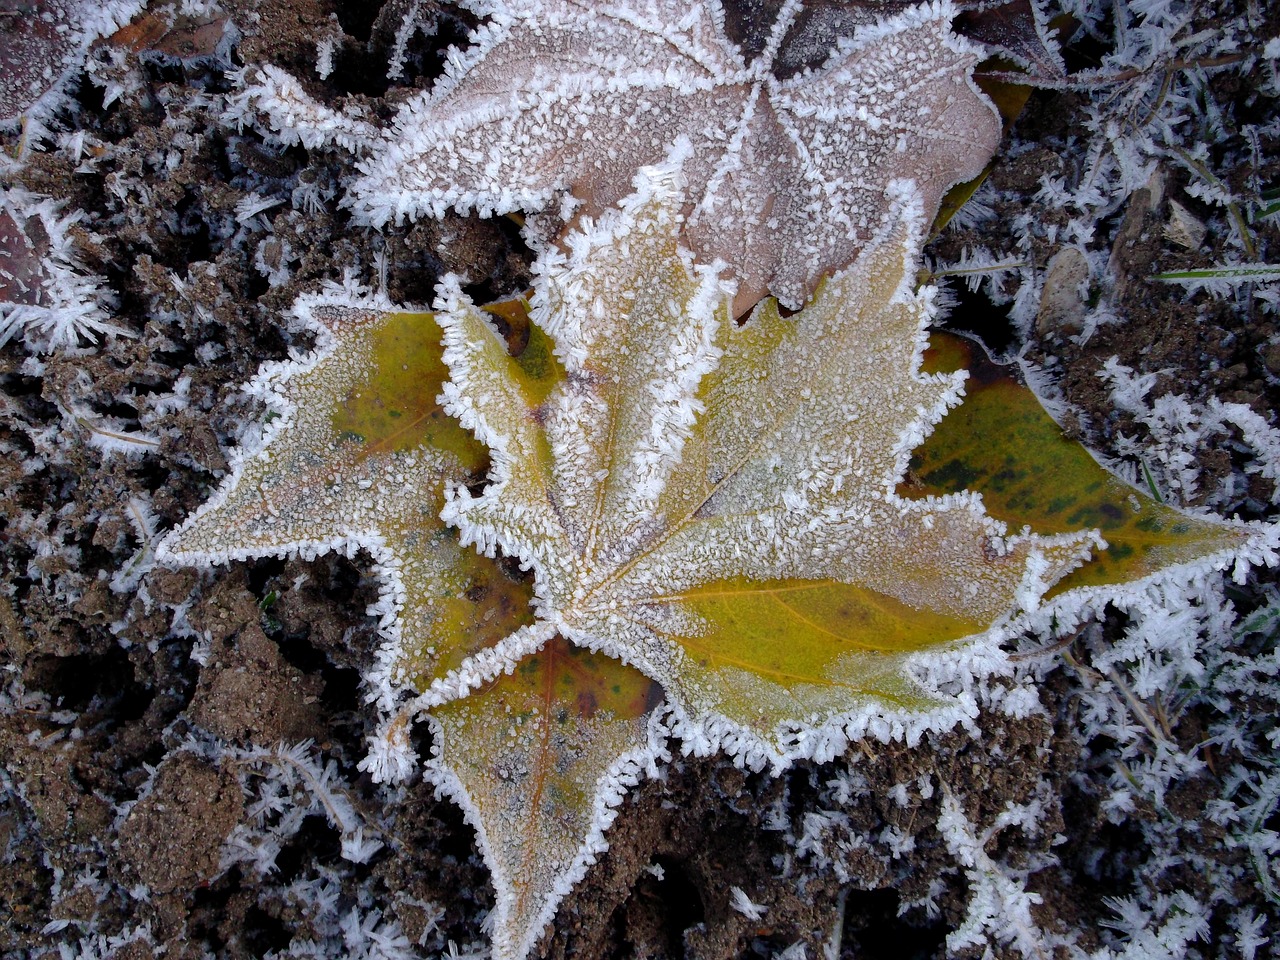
point(787, 178)
point(44, 42)
point(710, 512)
point(46, 297)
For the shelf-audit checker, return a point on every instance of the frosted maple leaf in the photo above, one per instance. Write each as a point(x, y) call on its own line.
point(710, 513)
point(716, 504)
point(356, 457)
point(787, 179)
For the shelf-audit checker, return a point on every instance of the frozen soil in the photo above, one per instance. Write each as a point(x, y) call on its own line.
point(139, 708)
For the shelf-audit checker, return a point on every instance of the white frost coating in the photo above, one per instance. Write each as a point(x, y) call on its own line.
point(487, 664)
point(143, 519)
point(999, 906)
point(1180, 431)
point(743, 904)
point(823, 742)
point(787, 177)
point(412, 20)
point(46, 296)
point(515, 936)
point(292, 114)
point(391, 757)
point(766, 466)
point(46, 49)
point(287, 770)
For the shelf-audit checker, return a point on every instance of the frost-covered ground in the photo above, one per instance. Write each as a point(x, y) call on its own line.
point(178, 750)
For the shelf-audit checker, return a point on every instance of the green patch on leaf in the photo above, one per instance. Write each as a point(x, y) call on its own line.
point(394, 407)
point(361, 459)
point(1002, 444)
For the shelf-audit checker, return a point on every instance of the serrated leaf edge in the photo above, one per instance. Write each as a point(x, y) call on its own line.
point(629, 770)
point(267, 385)
point(1260, 548)
point(702, 736)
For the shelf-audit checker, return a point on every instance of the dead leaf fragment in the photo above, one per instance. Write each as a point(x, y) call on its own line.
point(42, 41)
point(786, 179)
